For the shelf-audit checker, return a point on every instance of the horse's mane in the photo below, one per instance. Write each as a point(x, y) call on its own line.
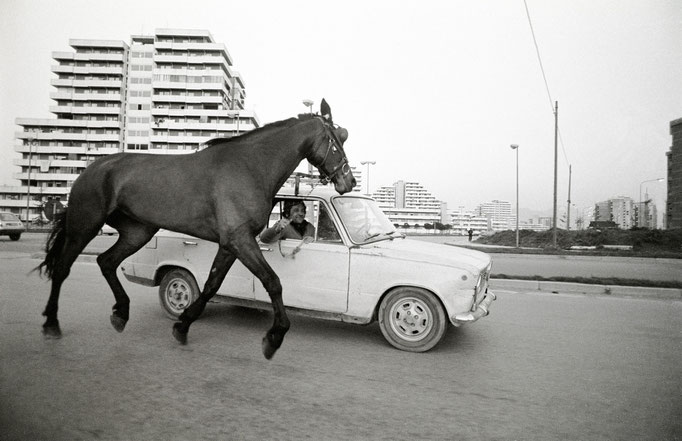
point(259, 131)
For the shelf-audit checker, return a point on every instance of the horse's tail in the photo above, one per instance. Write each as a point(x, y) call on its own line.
point(54, 245)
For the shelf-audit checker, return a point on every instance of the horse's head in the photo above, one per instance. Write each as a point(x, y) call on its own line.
point(328, 155)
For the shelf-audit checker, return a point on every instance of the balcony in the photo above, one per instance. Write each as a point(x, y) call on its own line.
point(85, 110)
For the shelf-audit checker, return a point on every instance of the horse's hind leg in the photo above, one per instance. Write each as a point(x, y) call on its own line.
point(61, 254)
point(132, 236)
point(61, 270)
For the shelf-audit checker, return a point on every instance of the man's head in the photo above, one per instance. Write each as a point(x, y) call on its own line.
point(294, 211)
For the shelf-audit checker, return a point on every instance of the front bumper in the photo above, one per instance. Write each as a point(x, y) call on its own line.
point(481, 310)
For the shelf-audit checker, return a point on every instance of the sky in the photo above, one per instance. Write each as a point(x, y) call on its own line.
point(433, 91)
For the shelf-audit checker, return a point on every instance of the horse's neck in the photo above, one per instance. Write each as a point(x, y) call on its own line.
point(280, 154)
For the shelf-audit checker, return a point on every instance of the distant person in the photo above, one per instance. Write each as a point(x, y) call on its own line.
point(292, 226)
point(471, 233)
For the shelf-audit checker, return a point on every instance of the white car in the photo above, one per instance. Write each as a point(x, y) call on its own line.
point(357, 269)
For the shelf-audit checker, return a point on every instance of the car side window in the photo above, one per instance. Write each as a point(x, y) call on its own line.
point(326, 230)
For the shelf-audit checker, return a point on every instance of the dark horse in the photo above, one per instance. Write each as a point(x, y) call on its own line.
point(223, 194)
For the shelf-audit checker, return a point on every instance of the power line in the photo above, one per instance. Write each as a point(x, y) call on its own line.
point(537, 51)
point(544, 77)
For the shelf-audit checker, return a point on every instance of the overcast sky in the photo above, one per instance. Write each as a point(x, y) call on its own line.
point(433, 91)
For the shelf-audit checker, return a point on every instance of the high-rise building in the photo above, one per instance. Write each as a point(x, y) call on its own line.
point(164, 93)
point(499, 214)
point(409, 203)
point(674, 203)
point(622, 211)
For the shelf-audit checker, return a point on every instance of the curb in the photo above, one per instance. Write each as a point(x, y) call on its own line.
point(583, 288)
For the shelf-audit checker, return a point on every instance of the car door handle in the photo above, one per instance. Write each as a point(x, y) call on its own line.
point(190, 243)
point(264, 248)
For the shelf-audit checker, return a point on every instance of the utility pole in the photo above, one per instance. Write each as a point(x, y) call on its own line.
point(568, 210)
point(556, 130)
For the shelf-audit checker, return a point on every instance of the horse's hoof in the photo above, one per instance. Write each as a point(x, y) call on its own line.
point(180, 336)
point(268, 349)
point(118, 323)
point(52, 332)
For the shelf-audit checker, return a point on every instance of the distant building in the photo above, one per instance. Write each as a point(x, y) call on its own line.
point(163, 93)
point(498, 213)
point(674, 197)
point(409, 203)
point(622, 211)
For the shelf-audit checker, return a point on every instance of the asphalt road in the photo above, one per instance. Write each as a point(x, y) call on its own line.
point(540, 367)
point(507, 264)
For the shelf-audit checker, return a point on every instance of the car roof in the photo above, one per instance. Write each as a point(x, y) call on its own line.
point(321, 191)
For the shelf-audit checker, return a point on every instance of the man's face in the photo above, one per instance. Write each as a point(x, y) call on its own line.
point(297, 213)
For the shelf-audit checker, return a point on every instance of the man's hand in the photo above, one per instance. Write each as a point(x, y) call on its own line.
point(281, 224)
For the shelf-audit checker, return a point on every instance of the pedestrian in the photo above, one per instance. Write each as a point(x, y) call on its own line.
point(471, 233)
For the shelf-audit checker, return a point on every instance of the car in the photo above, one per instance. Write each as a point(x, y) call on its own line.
point(108, 230)
point(11, 225)
point(357, 269)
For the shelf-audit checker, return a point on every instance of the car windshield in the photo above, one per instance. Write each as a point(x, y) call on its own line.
point(363, 219)
point(8, 217)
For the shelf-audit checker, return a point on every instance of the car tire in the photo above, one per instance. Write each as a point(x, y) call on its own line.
point(15, 236)
point(178, 290)
point(412, 319)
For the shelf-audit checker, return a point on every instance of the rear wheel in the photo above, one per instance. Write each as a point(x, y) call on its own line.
point(412, 319)
point(15, 236)
point(177, 291)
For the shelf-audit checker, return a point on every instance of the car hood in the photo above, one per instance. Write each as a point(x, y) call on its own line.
point(432, 253)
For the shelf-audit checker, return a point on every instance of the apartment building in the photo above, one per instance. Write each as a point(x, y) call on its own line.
point(621, 210)
point(164, 93)
point(673, 216)
point(410, 204)
point(499, 213)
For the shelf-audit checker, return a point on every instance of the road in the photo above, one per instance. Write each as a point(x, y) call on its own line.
point(507, 264)
point(540, 367)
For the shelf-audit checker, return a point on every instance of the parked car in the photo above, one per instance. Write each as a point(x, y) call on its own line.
point(11, 225)
point(356, 269)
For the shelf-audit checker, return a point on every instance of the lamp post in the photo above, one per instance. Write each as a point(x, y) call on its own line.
point(309, 105)
point(516, 147)
point(641, 203)
point(31, 139)
point(368, 163)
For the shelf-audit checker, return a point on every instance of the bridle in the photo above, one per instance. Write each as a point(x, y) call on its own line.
point(334, 143)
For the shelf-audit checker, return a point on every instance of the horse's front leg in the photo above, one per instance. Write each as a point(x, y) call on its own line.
point(221, 265)
point(250, 255)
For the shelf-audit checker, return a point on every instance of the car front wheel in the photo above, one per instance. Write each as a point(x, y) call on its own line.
point(15, 236)
point(177, 291)
point(412, 319)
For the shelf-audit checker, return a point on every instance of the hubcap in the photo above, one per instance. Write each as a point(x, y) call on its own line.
point(178, 295)
point(411, 319)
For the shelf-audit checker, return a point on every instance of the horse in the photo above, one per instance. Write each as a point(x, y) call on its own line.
point(223, 193)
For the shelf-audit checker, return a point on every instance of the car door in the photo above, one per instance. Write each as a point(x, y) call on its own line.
point(316, 277)
point(200, 254)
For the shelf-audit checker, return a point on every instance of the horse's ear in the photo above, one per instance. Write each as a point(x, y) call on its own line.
point(325, 110)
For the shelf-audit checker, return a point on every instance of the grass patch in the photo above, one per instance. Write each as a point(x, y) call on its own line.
point(644, 243)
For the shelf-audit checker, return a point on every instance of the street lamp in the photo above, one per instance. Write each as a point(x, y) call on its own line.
point(309, 105)
point(641, 203)
point(516, 147)
point(368, 163)
point(31, 139)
